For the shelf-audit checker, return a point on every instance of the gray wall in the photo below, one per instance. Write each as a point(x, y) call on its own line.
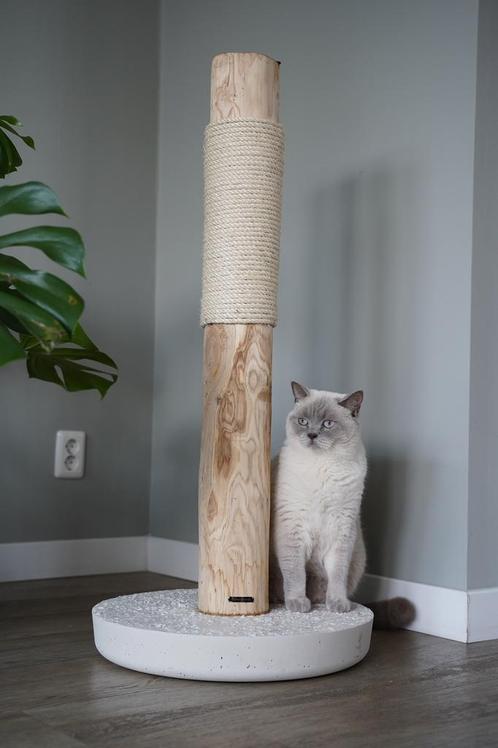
point(82, 76)
point(483, 485)
point(378, 105)
point(378, 102)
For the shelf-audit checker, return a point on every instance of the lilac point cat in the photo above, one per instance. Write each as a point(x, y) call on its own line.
point(318, 553)
point(317, 550)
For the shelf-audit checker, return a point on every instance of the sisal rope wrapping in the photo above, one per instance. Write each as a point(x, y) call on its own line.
point(243, 170)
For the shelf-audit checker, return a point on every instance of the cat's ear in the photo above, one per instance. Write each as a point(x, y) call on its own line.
point(353, 402)
point(299, 391)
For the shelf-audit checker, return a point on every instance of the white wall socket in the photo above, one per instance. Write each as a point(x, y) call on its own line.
point(70, 454)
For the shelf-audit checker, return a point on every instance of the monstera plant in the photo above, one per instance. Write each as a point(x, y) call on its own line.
point(39, 312)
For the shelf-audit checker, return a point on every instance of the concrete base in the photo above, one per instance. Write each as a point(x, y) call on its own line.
point(164, 633)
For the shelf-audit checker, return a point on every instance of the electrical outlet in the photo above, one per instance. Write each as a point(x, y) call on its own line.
point(69, 454)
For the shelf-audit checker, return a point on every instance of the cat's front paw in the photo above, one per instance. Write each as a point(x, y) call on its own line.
point(298, 604)
point(338, 604)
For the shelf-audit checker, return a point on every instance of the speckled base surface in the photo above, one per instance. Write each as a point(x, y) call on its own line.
point(163, 633)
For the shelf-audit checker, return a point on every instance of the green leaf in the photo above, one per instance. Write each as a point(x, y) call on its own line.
point(45, 290)
point(29, 198)
point(11, 322)
point(65, 365)
point(9, 155)
point(88, 354)
point(6, 123)
point(37, 321)
point(62, 245)
point(10, 348)
point(79, 337)
point(10, 265)
point(43, 367)
point(80, 377)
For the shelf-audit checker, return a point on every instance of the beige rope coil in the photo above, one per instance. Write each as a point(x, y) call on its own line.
point(243, 169)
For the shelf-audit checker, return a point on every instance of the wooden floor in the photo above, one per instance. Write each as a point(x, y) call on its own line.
point(57, 692)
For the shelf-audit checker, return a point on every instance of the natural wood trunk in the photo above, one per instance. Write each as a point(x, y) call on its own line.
point(234, 476)
point(235, 469)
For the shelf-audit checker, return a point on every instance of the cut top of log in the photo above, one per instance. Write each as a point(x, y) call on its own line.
point(244, 85)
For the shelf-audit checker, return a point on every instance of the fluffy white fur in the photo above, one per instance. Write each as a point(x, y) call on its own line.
point(317, 548)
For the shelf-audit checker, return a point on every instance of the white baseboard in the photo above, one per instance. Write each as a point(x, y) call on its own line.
point(173, 557)
point(453, 614)
point(440, 611)
point(72, 558)
point(483, 615)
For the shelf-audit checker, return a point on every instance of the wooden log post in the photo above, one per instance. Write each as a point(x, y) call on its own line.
point(234, 476)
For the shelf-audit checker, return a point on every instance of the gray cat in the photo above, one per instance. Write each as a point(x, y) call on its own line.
point(317, 548)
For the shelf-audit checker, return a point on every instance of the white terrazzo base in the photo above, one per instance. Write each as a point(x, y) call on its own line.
point(164, 633)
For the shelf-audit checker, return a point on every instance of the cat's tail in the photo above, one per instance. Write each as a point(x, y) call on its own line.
point(395, 613)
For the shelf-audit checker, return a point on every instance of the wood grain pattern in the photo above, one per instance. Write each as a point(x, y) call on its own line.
point(234, 478)
point(244, 85)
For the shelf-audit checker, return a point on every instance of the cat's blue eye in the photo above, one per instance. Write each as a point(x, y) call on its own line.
point(328, 424)
point(302, 421)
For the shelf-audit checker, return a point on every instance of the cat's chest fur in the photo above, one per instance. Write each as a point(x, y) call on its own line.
point(319, 488)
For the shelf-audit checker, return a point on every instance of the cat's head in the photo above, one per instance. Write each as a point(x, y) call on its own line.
point(320, 419)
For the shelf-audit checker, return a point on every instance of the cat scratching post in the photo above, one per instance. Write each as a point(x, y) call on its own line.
point(215, 634)
point(243, 185)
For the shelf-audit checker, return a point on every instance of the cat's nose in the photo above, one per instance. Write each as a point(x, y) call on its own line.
point(312, 436)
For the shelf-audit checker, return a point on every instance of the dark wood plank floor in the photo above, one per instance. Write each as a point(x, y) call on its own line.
point(56, 691)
